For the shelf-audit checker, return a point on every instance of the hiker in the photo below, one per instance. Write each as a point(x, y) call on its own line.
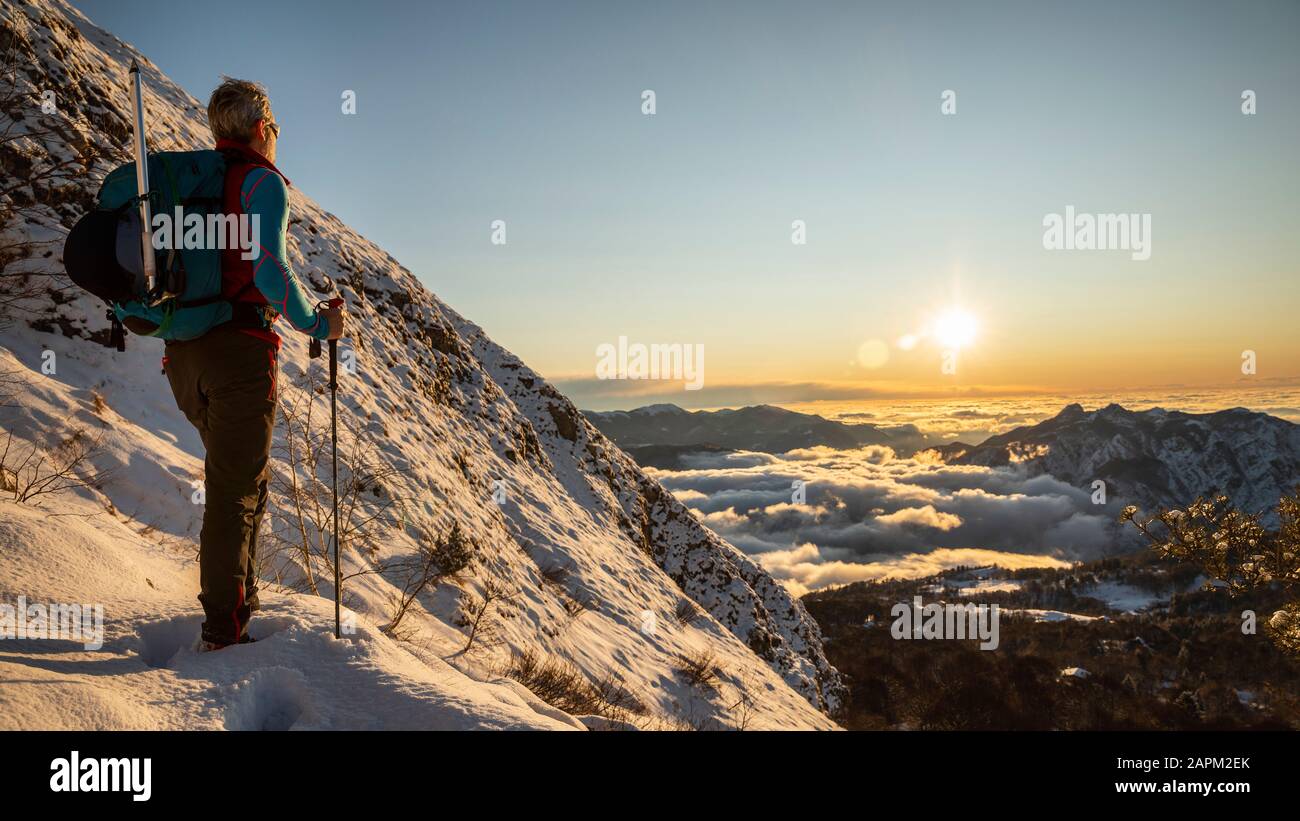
point(225, 380)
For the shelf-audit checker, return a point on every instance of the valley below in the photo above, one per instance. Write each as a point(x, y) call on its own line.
point(1096, 631)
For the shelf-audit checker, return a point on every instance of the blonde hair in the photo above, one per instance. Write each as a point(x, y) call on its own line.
point(235, 107)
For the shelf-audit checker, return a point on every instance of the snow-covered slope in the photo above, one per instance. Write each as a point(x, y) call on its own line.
point(1154, 457)
point(146, 676)
point(594, 558)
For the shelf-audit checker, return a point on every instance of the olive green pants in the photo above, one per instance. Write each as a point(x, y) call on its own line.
point(225, 384)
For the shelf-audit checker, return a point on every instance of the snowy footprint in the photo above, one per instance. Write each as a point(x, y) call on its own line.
point(160, 641)
point(262, 627)
point(273, 698)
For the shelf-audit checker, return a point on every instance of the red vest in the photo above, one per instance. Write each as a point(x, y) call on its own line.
point(237, 272)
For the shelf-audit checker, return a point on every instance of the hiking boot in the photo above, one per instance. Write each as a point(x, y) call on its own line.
point(205, 646)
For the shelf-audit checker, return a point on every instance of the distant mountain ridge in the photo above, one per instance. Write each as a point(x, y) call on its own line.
point(1154, 457)
point(763, 428)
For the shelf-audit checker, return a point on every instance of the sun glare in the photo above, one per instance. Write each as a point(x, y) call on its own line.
point(955, 328)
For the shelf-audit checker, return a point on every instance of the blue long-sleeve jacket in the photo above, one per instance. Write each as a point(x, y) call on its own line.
point(264, 193)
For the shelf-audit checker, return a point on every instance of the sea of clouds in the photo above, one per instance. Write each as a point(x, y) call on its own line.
point(870, 514)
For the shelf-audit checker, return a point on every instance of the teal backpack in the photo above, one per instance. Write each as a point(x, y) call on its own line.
point(103, 253)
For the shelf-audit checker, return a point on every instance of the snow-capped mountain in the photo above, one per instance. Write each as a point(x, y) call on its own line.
point(1154, 457)
point(595, 561)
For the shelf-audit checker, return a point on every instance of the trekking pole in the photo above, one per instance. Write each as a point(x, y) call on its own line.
point(334, 468)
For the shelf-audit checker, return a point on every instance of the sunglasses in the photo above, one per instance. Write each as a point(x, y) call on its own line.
point(275, 129)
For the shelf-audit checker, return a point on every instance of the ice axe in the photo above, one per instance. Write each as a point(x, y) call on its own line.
point(313, 353)
point(142, 184)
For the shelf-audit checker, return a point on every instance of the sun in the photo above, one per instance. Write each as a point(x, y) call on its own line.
point(955, 328)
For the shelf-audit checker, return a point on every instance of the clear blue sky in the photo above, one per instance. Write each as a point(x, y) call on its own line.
point(675, 227)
